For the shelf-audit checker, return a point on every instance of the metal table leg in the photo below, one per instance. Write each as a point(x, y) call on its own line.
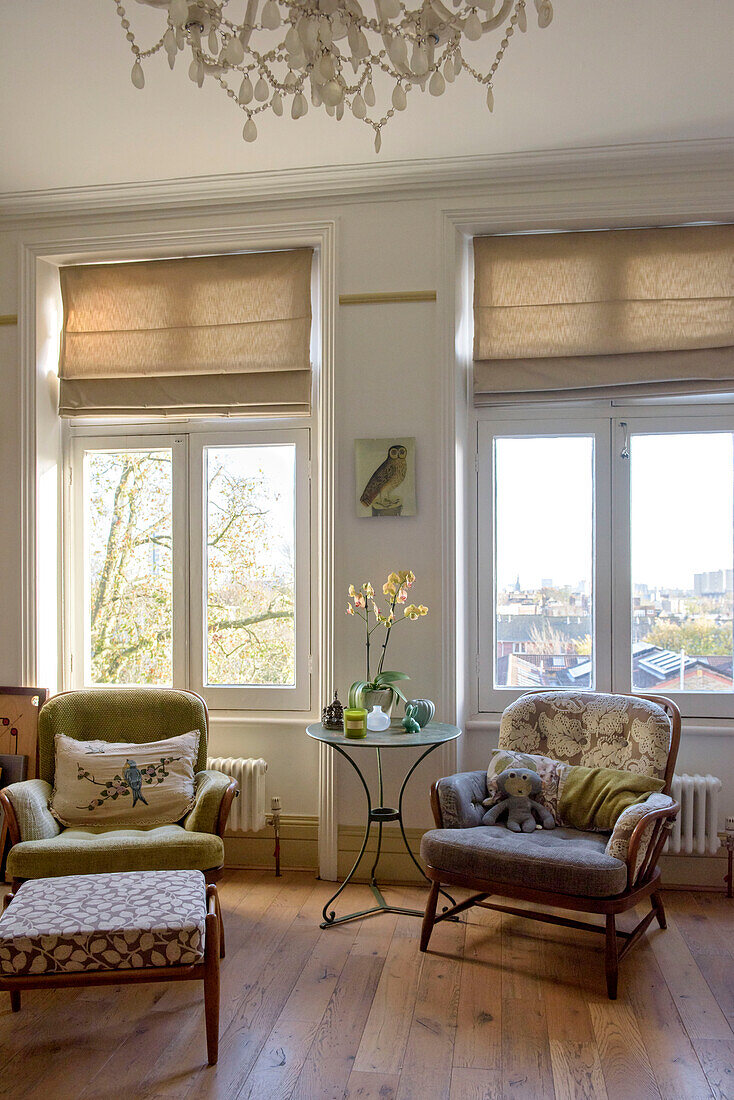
point(379, 815)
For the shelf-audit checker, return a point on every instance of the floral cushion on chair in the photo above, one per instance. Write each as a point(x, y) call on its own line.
point(129, 920)
point(108, 783)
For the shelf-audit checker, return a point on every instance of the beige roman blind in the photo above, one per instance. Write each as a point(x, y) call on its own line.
point(618, 313)
point(210, 335)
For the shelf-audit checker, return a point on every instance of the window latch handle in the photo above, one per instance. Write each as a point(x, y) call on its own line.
point(625, 452)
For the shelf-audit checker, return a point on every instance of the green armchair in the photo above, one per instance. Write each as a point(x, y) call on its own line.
point(42, 848)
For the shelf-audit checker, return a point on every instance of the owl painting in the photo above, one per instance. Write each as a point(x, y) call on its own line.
point(377, 484)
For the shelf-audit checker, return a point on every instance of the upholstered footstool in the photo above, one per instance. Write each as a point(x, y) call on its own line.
point(108, 929)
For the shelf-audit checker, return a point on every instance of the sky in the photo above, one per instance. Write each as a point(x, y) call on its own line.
point(682, 508)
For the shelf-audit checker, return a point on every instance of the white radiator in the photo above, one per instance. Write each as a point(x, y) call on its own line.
point(696, 828)
point(248, 811)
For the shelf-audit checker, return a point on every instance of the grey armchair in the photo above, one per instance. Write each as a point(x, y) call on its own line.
point(565, 868)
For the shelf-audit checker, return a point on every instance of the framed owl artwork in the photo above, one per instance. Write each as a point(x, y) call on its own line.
point(385, 477)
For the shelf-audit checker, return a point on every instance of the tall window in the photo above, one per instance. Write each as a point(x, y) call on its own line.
point(191, 564)
point(606, 556)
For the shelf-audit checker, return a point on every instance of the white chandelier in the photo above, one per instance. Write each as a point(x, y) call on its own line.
point(329, 51)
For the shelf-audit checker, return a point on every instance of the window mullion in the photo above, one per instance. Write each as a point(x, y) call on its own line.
point(180, 533)
point(621, 621)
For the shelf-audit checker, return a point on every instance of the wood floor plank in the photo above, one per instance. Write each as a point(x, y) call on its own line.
point(429, 1051)
point(479, 1027)
point(316, 983)
point(717, 1058)
point(701, 1015)
point(671, 1053)
point(702, 934)
point(569, 964)
point(257, 978)
point(475, 1084)
point(371, 1086)
point(330, 1061)
point(385, 1036)
point(627, 1071)
point(256, 1013)
point(275, 1072)
point(526, 1064)
point(577, 1072)
point(42, 1066)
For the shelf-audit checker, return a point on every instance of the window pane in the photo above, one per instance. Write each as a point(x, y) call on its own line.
point(250, 566)
point(544, 561)
point(127, 562)
point(682, 530)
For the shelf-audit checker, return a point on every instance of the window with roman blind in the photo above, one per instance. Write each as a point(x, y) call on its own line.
point(204, 336)
point(605, 510)
point(189, 534)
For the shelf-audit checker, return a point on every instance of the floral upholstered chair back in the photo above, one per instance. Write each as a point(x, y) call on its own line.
point(589, 728)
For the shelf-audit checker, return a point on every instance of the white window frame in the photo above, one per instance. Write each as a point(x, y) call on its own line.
point(220, 697)
point(613, 602)
point(655, 421)
point(494, 699)
point(187, 443)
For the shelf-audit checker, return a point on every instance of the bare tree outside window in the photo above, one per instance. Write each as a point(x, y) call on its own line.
point(249, 575)
point(129, 577)
point(250, 565)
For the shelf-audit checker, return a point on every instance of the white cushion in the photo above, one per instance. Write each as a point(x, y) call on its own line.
point(113, 783)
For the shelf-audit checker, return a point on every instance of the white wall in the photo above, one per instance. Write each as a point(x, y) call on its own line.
point(390, 372)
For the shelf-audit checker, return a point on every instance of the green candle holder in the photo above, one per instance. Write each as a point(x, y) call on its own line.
point(355, 723)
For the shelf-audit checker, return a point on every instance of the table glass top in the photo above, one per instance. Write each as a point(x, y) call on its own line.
point(393, 738)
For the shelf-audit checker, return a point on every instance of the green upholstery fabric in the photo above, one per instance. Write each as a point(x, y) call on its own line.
point(30, 802)
point(91, 851)
point(210, 788)
point(593, 798)
point(134, 715)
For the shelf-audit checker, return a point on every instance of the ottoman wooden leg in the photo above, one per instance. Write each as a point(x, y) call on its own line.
point(221, 926)
point(15, 1000)
point(211, 985)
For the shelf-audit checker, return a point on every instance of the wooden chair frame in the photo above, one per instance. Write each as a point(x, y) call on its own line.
point(6, 832)
point(206, 971)
point(645, 883)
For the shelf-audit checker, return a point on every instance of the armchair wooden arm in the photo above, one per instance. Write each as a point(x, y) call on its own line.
point(225, 806)
point(10, 819)
point(662, 821)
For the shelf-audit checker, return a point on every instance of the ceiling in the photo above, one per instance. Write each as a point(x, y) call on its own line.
point(606, 72)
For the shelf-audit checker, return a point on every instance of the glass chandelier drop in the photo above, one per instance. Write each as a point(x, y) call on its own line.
point(331, 51)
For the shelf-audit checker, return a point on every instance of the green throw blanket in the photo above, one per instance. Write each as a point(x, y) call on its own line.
point(593, 798)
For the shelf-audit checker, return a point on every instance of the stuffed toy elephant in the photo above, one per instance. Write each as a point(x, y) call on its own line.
point(518, 786)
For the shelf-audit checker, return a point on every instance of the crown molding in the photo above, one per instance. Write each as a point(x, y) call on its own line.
point(645, 163)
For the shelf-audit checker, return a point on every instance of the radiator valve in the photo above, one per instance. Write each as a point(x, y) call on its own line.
point(274, 820)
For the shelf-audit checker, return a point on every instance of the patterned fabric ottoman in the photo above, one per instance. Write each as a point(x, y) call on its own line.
point(107, 929)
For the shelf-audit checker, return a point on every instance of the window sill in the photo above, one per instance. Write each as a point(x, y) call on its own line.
point(261, 718)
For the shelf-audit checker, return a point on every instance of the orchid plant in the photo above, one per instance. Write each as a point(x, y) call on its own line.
point(365, 607)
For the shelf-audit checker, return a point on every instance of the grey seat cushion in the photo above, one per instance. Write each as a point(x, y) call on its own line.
point(564, 861)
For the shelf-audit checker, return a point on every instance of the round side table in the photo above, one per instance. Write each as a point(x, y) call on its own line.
point(428, 739)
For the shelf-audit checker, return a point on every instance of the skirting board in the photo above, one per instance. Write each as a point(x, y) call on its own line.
point(299, 844)
point(299, 852)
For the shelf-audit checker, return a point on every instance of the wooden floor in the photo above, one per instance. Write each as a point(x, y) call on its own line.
point(500, 1007)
